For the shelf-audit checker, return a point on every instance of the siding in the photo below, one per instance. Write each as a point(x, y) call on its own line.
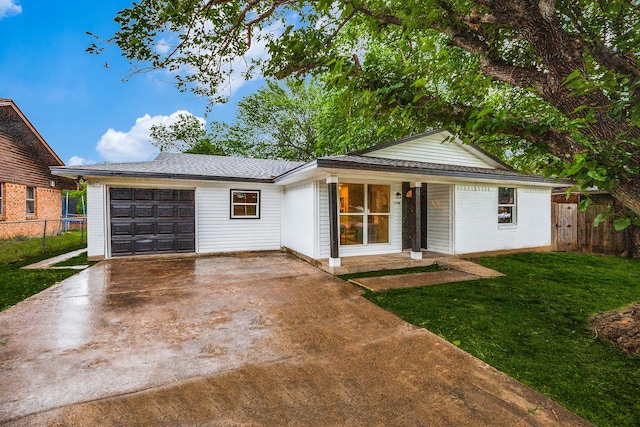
point(431, 149)
point(439, 218)
point(218, 233)
point(21, 164)
point(477, 228)
point(97, 223)
point(298, 218)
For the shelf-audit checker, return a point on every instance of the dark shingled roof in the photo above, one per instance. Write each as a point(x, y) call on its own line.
point(434, 169)
point(219, 168)
point(189, 166)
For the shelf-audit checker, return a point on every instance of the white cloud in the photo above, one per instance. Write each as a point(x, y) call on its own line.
point(9, 8)
point(79, 161)
point(135, 144)
point(162, 47)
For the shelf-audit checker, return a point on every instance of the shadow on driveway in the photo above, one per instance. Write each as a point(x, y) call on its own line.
point(260, 339)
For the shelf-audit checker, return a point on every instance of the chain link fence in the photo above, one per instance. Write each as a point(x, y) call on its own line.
point(44, 230)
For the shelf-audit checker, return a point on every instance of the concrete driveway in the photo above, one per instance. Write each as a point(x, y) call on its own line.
point(255, 339)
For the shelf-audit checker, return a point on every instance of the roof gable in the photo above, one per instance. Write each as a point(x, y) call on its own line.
point(436, 147)
point(15, 124)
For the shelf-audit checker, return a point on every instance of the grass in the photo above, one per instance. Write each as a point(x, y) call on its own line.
point(16, 249)
point(17, 284)
point(426, 269)
point(77, 260)
point(533, 325)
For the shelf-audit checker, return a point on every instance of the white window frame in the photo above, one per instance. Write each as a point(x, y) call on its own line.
point(513, 206)
point(365, 215)
point(1, 198)
point(30, 199)
point(232, 215)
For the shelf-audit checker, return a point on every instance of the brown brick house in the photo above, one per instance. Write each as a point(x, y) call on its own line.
point(29, 193)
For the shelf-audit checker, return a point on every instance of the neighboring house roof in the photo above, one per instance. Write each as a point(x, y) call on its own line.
point(189, 166)
point(25, 155)
point(218, 168)
point(14, 123)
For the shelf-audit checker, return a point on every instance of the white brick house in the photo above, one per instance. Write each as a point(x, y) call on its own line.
point(426, 192)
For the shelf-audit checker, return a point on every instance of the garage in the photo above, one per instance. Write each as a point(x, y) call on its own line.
point(152, 221)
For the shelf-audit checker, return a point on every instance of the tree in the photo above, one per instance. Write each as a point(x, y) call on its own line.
point(576, 63)
point(278, 122)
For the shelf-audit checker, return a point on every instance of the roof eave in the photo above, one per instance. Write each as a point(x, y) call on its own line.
point(80, 173)
point(345, 165)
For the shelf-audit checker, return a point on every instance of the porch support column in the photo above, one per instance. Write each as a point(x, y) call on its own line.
point(332, 184)
point(416, 244)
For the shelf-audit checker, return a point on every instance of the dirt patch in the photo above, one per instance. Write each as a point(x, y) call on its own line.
point(620, 327)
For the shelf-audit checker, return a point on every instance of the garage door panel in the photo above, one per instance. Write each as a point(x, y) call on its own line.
point(121, 211)
point(144, 246)
point(166, 211)
point(148, 221)
point(143, 194)
point(121, 194)
point(121, 229)
point(144, 211)
point(185, 227)
point(166, 228)
point(121, 247)
point(167, 195)
point(166, 245)
point(186, 245)
point(186, 195)
point(141, 228)
point(186, 211)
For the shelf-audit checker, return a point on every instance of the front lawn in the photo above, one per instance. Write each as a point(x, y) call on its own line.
point(533, 325)
point(17, 284)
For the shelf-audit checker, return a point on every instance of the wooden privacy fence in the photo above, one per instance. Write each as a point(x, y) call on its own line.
point(572, 230)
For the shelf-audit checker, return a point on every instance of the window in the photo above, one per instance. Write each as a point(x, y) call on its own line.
point(364, 214)
point(506, 205)
point(245, 204)
point(31, 201)
point(1, 197)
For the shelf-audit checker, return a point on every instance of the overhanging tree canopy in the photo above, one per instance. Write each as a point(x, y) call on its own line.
point(572, 66)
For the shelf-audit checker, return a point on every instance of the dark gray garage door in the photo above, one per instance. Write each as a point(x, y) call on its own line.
point(152, 221)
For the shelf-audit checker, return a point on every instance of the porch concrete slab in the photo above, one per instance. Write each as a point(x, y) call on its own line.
point(256, 339)
point(395, 261)
point(402, 281)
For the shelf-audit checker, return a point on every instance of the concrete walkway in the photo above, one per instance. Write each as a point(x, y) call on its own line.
point(51, 262)
point(253, 339)
point(458, 270)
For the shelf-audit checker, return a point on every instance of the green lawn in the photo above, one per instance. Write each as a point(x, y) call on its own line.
point(533, 325)
point(17, 284)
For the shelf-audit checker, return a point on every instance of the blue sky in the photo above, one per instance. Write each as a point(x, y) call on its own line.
point(83, 109)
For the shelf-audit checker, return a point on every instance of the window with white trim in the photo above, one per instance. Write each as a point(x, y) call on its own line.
point(506, 205)
point(31, 201)
point(364, 213)
point(1, 198)
point(245, 204)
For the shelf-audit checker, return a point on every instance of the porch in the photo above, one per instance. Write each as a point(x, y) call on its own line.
point(359, 264)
